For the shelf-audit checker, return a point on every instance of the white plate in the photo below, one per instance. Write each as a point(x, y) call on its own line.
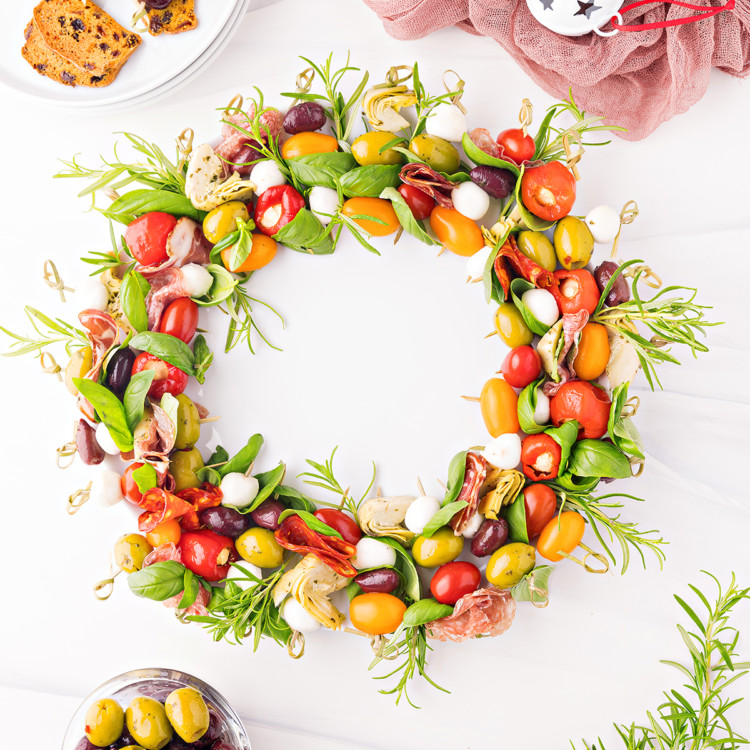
point(157, 61)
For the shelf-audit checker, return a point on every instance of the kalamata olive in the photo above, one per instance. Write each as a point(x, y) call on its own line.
point(498, 183)
point(157, 4)
point(304, 117)
point(119, 369)
point(620, 291)
point(89, 450)
point(225, 521)
point(221, 745)
point(382, 581)
point(491, 536)
point(266, 515)
point(84, 744)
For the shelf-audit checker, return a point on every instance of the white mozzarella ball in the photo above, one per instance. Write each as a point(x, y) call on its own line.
point(324, 201)
point(504, 451)
point(239, 491)
point(470, 200)
point(91, 294)
point(542, 305)
point(196, 280)
point(446, 121)
point(476, 263)
point(603, 223)
point(473, 526)
point(373, 554)
point(266, 174)
point(420, 513)
point(297, 617)
point(541, 413)
point(106, 443)
point(238, 576)
point(105, 488)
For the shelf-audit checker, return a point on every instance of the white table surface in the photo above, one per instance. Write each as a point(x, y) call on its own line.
point(376, 353)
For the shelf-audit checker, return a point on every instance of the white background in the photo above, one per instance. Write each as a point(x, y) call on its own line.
point(376, 354)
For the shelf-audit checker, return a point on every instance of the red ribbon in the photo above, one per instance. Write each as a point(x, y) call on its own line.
point(703, 12)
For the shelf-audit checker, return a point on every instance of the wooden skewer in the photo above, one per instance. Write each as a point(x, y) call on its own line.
point(421, 488)
point(490, 335)
point(470, 398)
point(442, 484)
point(205, 420)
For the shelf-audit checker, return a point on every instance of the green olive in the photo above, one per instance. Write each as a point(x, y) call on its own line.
point(188, 423)
point(259, 546)
point(183, 466)
point(510, 564)
point(511, 326)
point(223, 220)
point(147, 721)
point(187, 713)
point(131, 551)
point(104, 722)
point(78, 366)
point(437, 152)
point(440, 548)
point(574, 242)
point(366, 149)
point(536, 245)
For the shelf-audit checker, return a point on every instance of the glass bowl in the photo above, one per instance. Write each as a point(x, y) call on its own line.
point(158, 683)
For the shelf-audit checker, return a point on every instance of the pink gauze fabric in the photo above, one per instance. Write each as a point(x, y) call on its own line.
point(637, 79)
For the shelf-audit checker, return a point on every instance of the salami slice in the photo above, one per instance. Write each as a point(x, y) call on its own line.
point(476, 473)
point(486, 612)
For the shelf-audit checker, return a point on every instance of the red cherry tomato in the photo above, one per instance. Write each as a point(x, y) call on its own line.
point(577, 291)
point(540, 504)
point(206, 553)
point(340, 522)
point(146, 237)
point(419, 202)
point(584, 402)
point(516, 146)
point(128, 486)
point(180, 319)
point(521, 366)
point(454, 580)
point(548, 191)
point(540, 457)
point(168, 378)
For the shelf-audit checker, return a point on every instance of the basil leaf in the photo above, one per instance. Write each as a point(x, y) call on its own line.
point(202, 356)
point(515, 515)
point(225, 241)
point(517, 289)
point(627, 438)
point(443, 516)
point(133, 300)
point(527, 406)
point(370, 181)
point(241, 461)
point(538, 579)
point(221, 289)
point(240, 250)
point(191, 588)
point(353, 589)
point(268, 481)
point(405, 216)
point(532, 221)
point(595, 458)
point(424, 611)
point(541, 137)
point(166, 347)
point(323, 169)
point(312, 521)
point(129, 207)
point(619, 397)
point(219, 456)
point(208, 474)
point(490, 282)
point(564, 435)
point(456, 473)
point(134, 398)
point(294, 499)
point(480, 157)
point(109, 409)
point(306, 233)
point(405, 565)
point(574, 483)
point(145, 477)
point(159, 581)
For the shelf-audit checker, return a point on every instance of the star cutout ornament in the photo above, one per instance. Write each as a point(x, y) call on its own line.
point(586, 9)
point(547, 4)
point(575, 17)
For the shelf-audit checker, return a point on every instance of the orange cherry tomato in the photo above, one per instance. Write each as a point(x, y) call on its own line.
point(548, 191)
point(561, 535)
point(379, 209)
point(376, 614)
point(540, 504)
point(308, 143)
point(456, 232)
point(593, 352)
point(169, 531)
point(262, 252)
point(499, 404)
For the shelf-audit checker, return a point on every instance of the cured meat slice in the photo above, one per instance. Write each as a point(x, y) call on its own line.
point(572, 325)
point(237, 148)
point(482, 139)
point(169, 551)
point(486, 611)
point(476, 473)
point(160, 506)
point(166, 287)
point(102, 333)
point(154, 439)
point(430, 182)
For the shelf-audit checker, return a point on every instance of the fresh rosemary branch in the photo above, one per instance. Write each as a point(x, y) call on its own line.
point(50, 332)
point(119, 255)
point(696, 719)
point(242, 323)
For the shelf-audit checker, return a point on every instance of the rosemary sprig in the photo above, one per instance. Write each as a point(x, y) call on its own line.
point(425, 103)
point(50, 332)
point(242, 322)
point(114, 259)
point(412, 642)
point(696, 719)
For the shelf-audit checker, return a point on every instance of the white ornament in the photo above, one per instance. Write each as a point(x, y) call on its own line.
point(238, 490)
point(266, 174)
point(297, 617)
point(420, 513)
point(542, 305)
point(446, 121)
point(575, 17)
point(603, 223)
point(373, 554)
point(504, 451)
point(324, 203)
point(106, 489)
point(470, 200)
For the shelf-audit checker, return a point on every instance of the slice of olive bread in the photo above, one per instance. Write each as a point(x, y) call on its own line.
point(177, 17)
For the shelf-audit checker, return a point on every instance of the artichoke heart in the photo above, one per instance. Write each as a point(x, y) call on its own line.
point(501, 487)
point(549, 348)
point(623, 363)
point(382, 104)
point(205, 185)
point(311, 582)
point(114, 307)
point(384, 516)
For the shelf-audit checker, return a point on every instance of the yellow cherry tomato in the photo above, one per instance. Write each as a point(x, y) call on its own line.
point(442, 547)
point(511, 326)
point(376, 614)
point(593, 352)
point(561, 536)
point(379, 209)
point(308, 143)
point(499, 404)
point(509, 564)
point(456, 232)
point(259, 546)
point(169, 531)
point(366, 149)
point(262, 252)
